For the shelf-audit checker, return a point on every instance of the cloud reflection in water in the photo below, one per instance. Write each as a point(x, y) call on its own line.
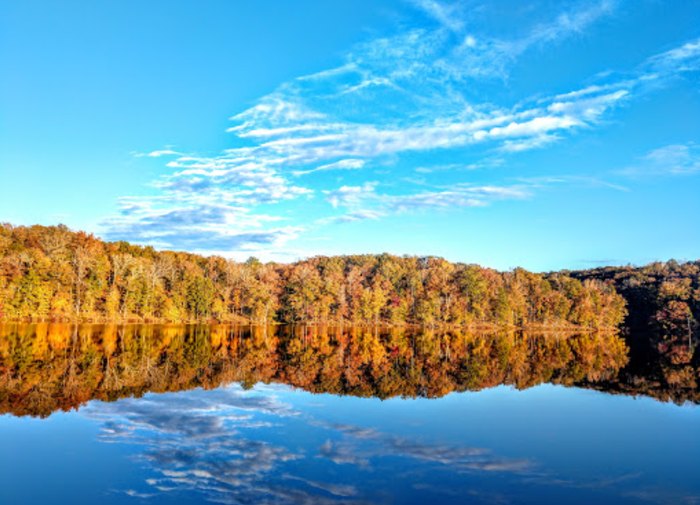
point(235, 446)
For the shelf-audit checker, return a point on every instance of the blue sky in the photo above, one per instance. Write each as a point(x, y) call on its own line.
point(539, 134)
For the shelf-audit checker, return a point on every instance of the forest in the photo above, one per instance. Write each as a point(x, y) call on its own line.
point(53, 273)
point(663, 298)
point(661, 327)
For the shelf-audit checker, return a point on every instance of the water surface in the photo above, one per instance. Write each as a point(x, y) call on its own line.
point(221, 414)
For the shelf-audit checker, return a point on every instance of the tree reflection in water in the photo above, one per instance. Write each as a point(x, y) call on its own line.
point(213, 437)
point(48, 367)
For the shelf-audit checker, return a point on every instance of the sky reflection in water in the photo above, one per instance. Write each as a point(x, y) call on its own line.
point(280, 445)
point(274, 444)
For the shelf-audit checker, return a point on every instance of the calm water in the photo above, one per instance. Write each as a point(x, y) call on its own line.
point(221, 414)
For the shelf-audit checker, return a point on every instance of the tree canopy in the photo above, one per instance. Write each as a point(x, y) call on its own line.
point(55, 273)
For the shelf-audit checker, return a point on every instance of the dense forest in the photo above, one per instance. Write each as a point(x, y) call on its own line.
point(52, 273)
point(661, 327)
point(663, 298)
point(664, 306)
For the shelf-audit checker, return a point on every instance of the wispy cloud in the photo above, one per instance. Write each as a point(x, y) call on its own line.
point(172, 222)
point(678, 59)
point(675, 159)
point(354, 216)
point(448, 15)
point(392, 98)
point(158, 153)
point(572, 180)
point(364, 202)
point(344, 164)
point(351, 196)
point(468, 53)
point(568, 23)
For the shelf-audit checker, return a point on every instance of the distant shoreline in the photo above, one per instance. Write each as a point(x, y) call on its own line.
point(55, 274)
point(319, 324)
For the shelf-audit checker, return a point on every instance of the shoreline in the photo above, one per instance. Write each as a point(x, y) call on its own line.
point(323, 324)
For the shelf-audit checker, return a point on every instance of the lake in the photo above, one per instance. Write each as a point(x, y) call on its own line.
point(188, 414)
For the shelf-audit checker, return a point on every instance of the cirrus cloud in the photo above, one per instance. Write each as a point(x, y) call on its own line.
point(392, 98)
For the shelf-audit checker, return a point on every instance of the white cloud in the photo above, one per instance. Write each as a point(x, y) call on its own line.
point(470, 41)
point(350, 196)
point(392, 98)
point(682, 58)
point(157, 154)
point(538, 141)
point(569, 23)
point(488, 57)
point(588, 106)
point(353, 216)
point(459, 196)
point(674, 159)
point(344, 164)
point(366, 203)
point(196, 226)
point(445, 14)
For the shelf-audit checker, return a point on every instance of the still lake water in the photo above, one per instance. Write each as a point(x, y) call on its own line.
point(219, 414)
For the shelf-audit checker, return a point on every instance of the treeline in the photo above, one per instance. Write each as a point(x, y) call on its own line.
point(664, 304)
point(52, 273)
point(46, 367)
